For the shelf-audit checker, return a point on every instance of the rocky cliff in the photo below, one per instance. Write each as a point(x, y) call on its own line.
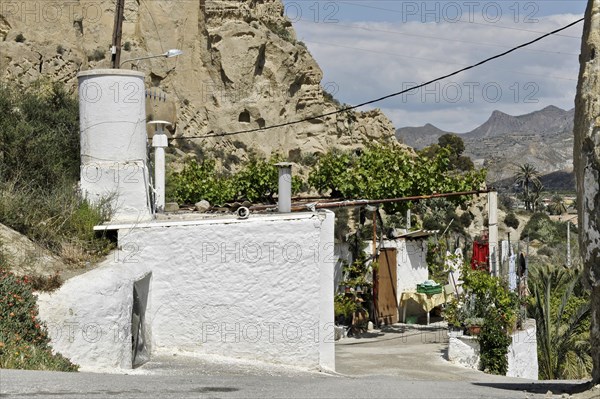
point(242, 67)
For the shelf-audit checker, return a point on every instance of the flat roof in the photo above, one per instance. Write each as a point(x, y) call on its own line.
point(205, 219)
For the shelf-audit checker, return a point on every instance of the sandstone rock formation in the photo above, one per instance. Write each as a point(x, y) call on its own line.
point(26, 257)
point(586, 154)
point(242, 68)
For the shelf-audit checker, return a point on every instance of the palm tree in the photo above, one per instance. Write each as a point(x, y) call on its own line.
point(527, 175)
point(536, 195)
point(562, 322)
point(557, 206)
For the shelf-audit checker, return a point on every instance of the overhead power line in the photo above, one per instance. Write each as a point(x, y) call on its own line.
point(349, 108)
point(492, 25)
point(436, 38)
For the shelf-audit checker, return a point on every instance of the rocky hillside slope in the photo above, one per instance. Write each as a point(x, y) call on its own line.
point(543, 138)
point(242, 68)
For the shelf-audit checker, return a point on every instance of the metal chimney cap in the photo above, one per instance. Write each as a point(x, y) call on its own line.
point(159, 123)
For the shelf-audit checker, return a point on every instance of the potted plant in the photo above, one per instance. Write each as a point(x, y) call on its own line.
point(474, 325)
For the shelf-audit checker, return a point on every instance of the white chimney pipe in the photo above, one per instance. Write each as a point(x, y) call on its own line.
point(285, 187)
point(159, 142)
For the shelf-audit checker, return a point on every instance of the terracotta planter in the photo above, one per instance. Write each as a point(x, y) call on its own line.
point(474, 330)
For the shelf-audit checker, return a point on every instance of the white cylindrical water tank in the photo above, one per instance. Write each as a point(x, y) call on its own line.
point(114, 162)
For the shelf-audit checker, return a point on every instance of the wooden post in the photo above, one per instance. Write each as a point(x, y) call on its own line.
point(117, 34)
point(375, 274)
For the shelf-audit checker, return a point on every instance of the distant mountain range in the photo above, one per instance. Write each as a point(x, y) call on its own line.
point(543, 138)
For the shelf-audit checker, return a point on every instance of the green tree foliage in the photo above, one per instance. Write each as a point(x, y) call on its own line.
point(382, 171)
point(200, 181)
point(332, 173)
point(39, 132)
point(453, 142)
point(528, 178)
point(257, 180)
point(494, 341)
point(486, 297)
point(511, 220)
point(541, 227)
point(39, 170)
point(557, 205)
point(561, 307)
point(456, 147)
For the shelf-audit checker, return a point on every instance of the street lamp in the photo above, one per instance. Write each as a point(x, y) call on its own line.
point(169, 54)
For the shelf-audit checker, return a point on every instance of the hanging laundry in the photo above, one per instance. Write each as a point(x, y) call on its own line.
point(453, 264)
point(512, 271)
point(522, 265)
point(481, 254)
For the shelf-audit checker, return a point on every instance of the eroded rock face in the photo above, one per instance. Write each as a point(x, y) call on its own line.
point(242, 67)
point(586, 156)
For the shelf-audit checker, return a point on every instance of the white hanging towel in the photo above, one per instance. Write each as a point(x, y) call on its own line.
point(512, 271)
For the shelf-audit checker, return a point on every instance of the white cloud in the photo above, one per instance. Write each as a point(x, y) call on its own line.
point(368, 60)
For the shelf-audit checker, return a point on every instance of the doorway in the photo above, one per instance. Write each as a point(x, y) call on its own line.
point(140, 337)
point(387, 283)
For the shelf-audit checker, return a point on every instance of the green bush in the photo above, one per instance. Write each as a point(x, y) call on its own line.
point(20, 38)
point(39, 132)
point(24, 342)
point(200, 181)
point(257, 180)
point(39, 166)
point(487, 297)
point(386, 171)
point(541, 227)
point(57, 219)
point(494, 341)
point(511, 220)
point(97, 55)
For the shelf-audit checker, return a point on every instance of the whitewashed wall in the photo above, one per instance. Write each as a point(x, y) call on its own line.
point(89, 317)
point(260, 288)
point(411, 269)
point(522, 352)
point(412, 264)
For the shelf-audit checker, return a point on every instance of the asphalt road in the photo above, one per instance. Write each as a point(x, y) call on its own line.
point(380, 365)
point(42, 384)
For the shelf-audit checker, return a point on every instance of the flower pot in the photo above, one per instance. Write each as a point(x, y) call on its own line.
point(474, 330)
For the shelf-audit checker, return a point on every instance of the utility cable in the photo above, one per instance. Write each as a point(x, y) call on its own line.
point(492, 25)
point(349, 108)
point(395, 32)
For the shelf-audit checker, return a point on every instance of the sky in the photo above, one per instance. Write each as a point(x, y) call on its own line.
point(368, 49)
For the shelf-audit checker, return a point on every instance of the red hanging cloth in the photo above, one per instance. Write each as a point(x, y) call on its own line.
point(481, 254)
